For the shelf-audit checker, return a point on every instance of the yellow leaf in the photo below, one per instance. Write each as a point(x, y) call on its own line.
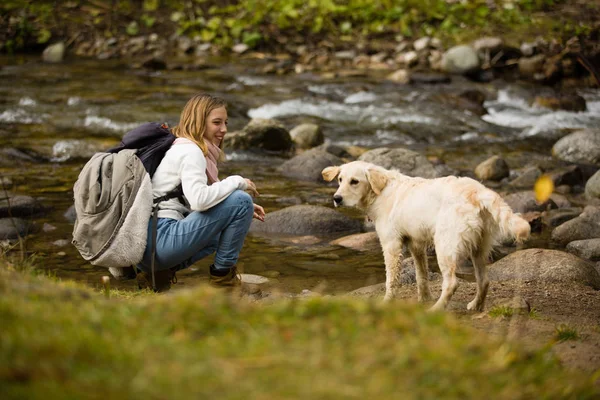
point(543, 188)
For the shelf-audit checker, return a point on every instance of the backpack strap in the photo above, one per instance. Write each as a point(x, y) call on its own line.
point(175, 193)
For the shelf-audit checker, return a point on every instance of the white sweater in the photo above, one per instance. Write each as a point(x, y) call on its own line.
point(185, 163)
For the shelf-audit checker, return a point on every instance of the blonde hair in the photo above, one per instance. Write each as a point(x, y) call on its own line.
point(192, 123)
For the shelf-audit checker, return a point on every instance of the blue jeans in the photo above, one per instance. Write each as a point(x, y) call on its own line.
point(222, 228)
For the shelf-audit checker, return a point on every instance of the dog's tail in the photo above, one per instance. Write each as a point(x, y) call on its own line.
point(510, 224)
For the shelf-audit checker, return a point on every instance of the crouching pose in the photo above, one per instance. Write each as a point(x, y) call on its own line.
point(213, 216)
point(458, 216)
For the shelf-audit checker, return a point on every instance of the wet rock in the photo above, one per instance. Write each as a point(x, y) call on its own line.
point(588, 249)
point(399, 76)
point(54, 53)
point(493, 169)
point(306, 220)
point(554, 218)
point(307, 136)
point(579, 147)
point(71, 215)
point(268, 134)
point(530, 67)
point(526, 178)
point(308, 165)
point(368, 241)
point(542, 265)
point(522, 202)
point(568, 102)
point(592, 187)
point(585, 226)
point(488, 44)
point(20, 206)
point(406, 161)
point(460, 59)
point(13, 228)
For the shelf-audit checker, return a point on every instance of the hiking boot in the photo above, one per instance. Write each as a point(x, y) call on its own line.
point(162, 278)
point(230, 280)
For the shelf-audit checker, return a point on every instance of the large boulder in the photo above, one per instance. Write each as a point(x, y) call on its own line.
point(579, 147)
point(585, 226)
point(588, 249)
point(268, 134)
point(13, 228)
point(20, 206)
point(308, 165)
point(542, 265)
point(306, 220)
point(406, 161)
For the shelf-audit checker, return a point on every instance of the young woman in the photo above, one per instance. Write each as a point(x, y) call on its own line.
point(215, 215)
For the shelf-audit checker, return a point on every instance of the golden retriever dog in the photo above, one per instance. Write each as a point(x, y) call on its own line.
point(458, 216)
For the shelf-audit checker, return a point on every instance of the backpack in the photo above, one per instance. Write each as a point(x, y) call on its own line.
point(114, 201)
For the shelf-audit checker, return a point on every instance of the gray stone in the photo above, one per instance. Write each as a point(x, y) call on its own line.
point(460, 59)
point(588, 249)
point(306, 220)
point(543, 265)
point(585, 226)
point(422, 43)
point(307, 136)
point(493, 169)
point(592, 187)
point(13, 228)
point(20, 206)
point(308, 165)
point(406, 161)
point(54, 53)
point(527, 178)
point(522, 202)
point(559, 216)
point(579, 147)
point(399, 76)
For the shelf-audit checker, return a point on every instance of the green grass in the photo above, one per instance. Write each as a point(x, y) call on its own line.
point(61, 340)
point(501, 311)
point(565, 332)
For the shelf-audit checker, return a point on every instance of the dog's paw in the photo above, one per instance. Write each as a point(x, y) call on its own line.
point(475, 306)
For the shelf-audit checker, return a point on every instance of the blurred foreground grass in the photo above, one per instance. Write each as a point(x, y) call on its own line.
point(63, 340)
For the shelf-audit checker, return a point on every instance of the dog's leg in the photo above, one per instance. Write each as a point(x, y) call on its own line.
point(480, 267)
point(392, 254)
point(449, 282)
point(421, 272)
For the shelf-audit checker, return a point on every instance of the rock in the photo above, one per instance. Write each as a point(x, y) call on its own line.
point(268, 134)
point(240, 48)
point(422, 43)
point(579, 147)
point(306, 220)
point(568, 102)
point(554, 218)
point(71, 215)
point(571, 175)
point(407, 59)
point(526, 178)
point(588, 249)
point(308, 165)
point(460, 59)
point(399, 76)
point(54, 53)
point(542, 265)
point(429, 78)
point(592, 187)
point(522, 202)
point(343, 152)
point(528, 49)
point(493, 169)
point(306, 136)
point(254, 279)
point(377, 290)
point(73, 149)
point(154, 63)
point(13, 228)
point(488, 44)
point(61, 242)
point(529, 67)
point(368, 241)
point(406, 161)
point(20, 206)
point(585, 226)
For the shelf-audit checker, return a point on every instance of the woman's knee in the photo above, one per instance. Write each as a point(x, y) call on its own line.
point(241, 199)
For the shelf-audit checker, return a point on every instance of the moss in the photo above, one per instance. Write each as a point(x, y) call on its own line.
point(63, 341)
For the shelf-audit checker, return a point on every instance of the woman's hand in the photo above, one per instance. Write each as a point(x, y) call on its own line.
point(251, 188)
point(259, 213)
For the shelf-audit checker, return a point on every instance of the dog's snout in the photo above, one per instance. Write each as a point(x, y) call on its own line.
point(337, 199)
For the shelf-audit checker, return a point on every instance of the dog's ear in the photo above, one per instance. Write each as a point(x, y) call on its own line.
point(330, 173)
point(377, 179)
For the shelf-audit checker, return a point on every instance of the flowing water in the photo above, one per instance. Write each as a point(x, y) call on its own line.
point(60, 114)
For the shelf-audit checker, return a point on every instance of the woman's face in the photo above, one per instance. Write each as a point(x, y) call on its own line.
point(216, 126)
